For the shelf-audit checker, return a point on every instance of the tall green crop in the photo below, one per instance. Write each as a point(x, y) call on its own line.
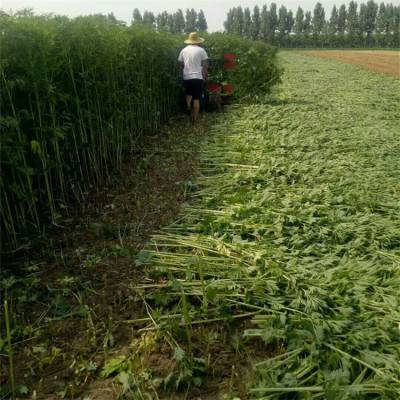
point(257, 70)
point(75, 95)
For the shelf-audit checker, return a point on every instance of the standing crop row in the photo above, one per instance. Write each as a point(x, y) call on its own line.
point(75, 95)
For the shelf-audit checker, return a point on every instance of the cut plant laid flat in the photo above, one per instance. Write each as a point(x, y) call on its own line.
point(295, 229)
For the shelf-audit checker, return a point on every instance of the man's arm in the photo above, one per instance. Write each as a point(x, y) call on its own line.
point(204, 64)
point(181, 67)
point(204, 71)
point(181, 64)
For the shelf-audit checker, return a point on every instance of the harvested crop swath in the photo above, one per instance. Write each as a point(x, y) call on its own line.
point(297, 223)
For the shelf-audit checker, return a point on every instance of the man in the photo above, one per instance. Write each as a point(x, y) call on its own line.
point(193, 60)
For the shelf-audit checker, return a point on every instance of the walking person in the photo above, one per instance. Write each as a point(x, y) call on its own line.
point(193, 60)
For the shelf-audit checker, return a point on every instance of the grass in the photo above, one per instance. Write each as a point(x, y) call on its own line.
point(295, 228)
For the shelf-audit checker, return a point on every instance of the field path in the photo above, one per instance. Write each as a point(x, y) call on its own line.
point(292, 246)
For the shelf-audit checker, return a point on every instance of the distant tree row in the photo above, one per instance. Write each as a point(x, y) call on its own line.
point(368, 25)
point(174, 23)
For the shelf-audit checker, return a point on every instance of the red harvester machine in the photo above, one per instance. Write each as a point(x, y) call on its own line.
point(218, 89)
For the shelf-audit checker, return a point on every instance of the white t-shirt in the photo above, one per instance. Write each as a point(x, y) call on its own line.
point(192, 57)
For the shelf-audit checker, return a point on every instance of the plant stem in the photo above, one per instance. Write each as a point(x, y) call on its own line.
point(10, 353)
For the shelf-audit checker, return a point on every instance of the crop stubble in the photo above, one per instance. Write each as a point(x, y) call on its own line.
point(383, 61)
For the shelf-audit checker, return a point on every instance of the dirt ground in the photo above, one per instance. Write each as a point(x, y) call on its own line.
point(383, 61)
point(94, 250)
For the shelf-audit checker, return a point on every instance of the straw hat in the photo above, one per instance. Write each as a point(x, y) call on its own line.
point(194, 38)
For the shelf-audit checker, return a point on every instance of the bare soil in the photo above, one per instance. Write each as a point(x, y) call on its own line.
point(383, 61)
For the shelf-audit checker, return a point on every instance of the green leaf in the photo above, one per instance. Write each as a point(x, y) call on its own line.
point(113, 366)
point(124, 380)
point(36, 149)
point(211, 293)
point(143, 257)
point(179, 354)
point(22, 389)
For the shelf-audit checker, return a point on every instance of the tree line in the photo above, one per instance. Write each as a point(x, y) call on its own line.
point(175, 22)
point(366, 25)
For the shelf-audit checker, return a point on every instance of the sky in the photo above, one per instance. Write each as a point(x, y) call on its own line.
point(215, 10)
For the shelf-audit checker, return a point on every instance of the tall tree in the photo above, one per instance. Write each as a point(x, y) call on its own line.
point(370, 16)
point(289, 22)
point(272, 21)
point(299, 21)
point(112, 19)
point(202, 22)
point(137, 17)
point(162, 21)
point(395, 26)
point(342, 16)
point(264, 22)
point(381, 18)
point(362, 19)
point(307, 23)
point(352, 19)
point(148, 18)
point(282, 20)
point(171, 23)
point(191, 20)
point(247, 24)
point(256, 23)
point(318, 22)
point(229, 22)
point(333, 22)
point(179, 21)
point(390, 19)
point(238, 21)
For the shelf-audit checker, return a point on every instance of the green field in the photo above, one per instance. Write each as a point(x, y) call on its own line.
point(279, 278)
point(292, 244)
